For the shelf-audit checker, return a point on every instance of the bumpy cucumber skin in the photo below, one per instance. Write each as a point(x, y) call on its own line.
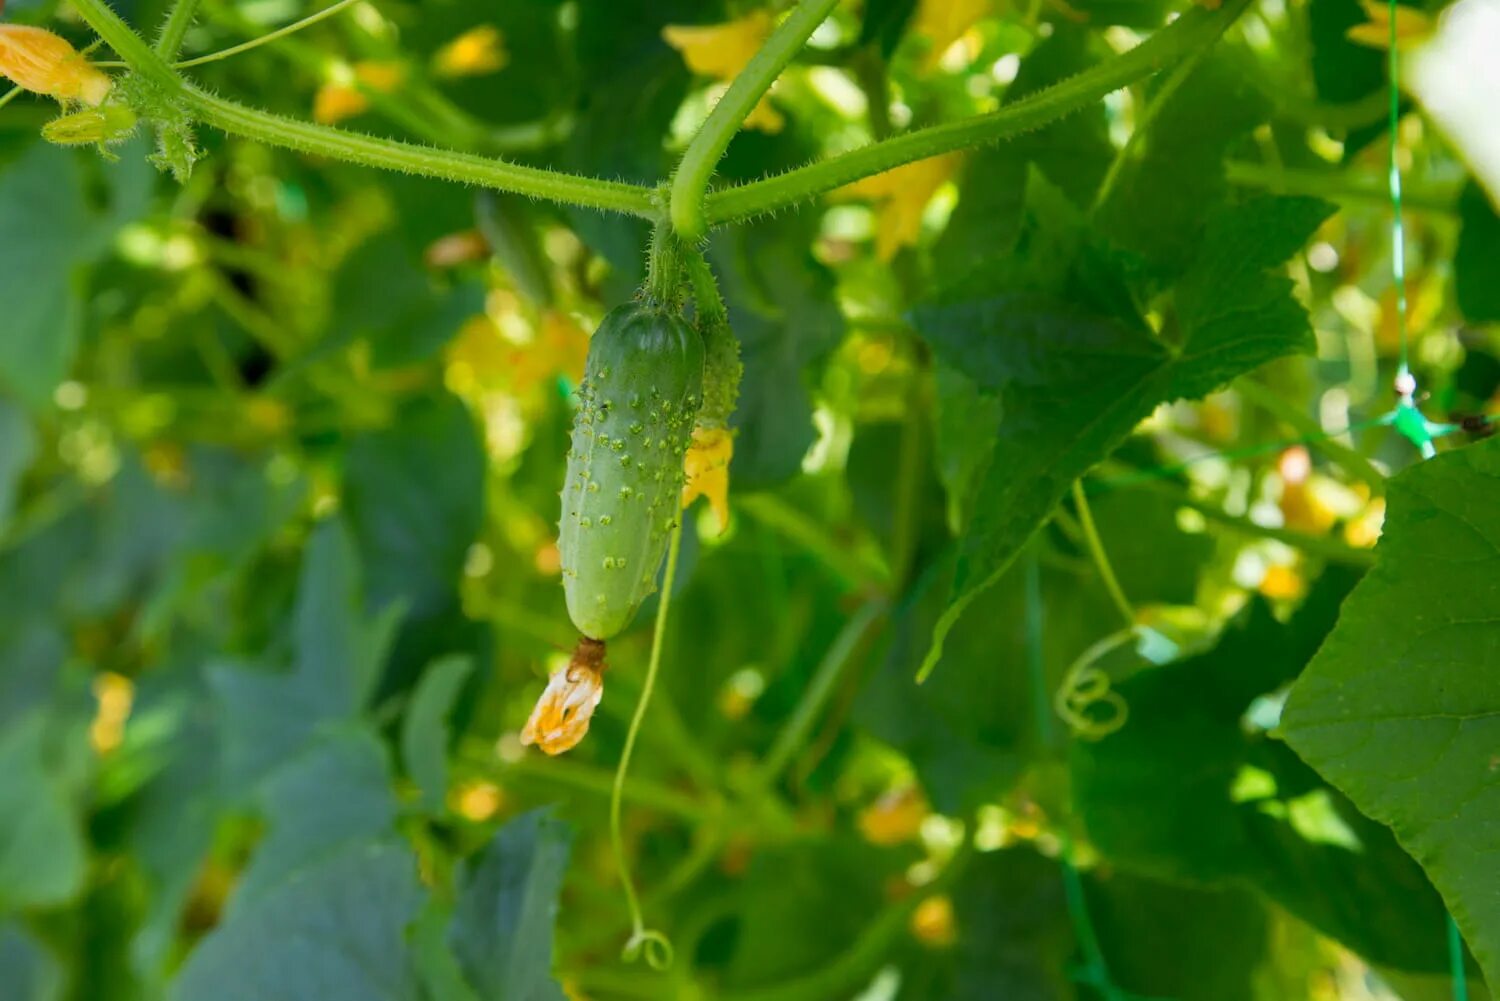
point(641, 392)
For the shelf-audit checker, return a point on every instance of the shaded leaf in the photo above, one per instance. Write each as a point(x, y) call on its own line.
point(1186, 791)
point(507, 905)
point(1401, 707)
point(332, 932)
point(424, 729)
point(1474, 261)
point(1075, 368)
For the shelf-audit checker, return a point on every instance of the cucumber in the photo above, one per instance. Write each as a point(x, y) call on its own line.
point(641, 392)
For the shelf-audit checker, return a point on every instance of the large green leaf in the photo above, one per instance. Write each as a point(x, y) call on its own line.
point(424, 728)
point(781, 309)
point(507, 906)
point(42, 850)
point(1186, 791)
point(270, 715)
point(414, 493)
point(1053, 334)
point(1401, 707)
point(28, 970)
point(335, 931)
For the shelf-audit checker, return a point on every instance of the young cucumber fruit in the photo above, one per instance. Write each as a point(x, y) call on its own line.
point(641, 391)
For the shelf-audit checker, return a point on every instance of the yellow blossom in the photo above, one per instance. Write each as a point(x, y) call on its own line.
point(901, 196)
point(37, 60)
point(933, 923)
point(339, 99)
point(1283, 583)
point(706, 468)
point(476, 52)
point(894, 818)
point(1412, 27)
point(115, 694)
point(561, 717)
point(721, 51)
point(945, 22)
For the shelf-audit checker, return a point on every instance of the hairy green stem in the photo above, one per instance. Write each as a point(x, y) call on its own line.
point(176, 26)
point(368, 151)
point(1194, 29)
point(697, 167)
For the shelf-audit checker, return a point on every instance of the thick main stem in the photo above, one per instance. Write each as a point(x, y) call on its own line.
point(369, 151)
point(1197, 28)
point(690, 182)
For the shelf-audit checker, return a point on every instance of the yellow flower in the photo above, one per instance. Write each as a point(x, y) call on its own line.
point(894, 818)
point(901, 196)
point(706, 466)
point(339, 99)
point(1412, 27)
point(562, 714)
point(932, 923)
point(945, 22)
point(37, 60)
point(476, 52)
point(720, 51)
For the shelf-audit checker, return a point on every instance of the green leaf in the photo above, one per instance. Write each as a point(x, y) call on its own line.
point(1165, 941)
point(1014, 938)
point(49, 233)
point(1175, 178)
point(507, 905)
point(414, 495)
point(962, 457)
point(268, 715)
point(424, 728)
point(1187, 791)
point(1154, 559)
point(781, 309)
point(336, 793)
point(971, 729)
point(1474, 260)
point(1053, 335)
point(42, 850)
point(1400, 708)
point(17, 446)
point(29, 972)
point(799, 907)
point(333, 932)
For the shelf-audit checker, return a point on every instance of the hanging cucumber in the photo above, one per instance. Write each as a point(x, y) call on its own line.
point(641, 393)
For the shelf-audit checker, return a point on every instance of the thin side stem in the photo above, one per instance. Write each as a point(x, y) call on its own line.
point(818, 692)
point(266, 39)
point(178, 21)
point(1194, 29)
point(658, 950)
point(1101, 558)
point(703, 153)
point(368, 151)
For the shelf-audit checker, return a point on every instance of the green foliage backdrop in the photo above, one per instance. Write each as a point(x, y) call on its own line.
point(1068, 331)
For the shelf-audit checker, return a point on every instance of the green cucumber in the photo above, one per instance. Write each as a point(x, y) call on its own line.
point(641, 392)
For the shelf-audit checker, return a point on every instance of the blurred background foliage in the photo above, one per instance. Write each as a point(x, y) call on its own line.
point(279, 457)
